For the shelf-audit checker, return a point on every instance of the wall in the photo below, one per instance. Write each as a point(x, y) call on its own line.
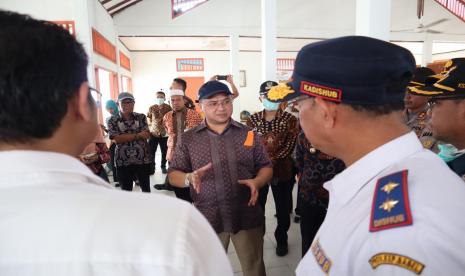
point(457, 54)
point(85, 14)
point(155, 70)
point(62, 10)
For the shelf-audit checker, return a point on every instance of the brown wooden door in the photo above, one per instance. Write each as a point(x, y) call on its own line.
point(193, 86)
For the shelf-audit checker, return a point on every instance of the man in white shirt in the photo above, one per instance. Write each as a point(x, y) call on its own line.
point(397, 209)
point(56, 216)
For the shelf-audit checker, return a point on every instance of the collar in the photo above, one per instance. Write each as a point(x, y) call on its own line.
point(204, 126)
point(120, 115)
point(458, 165)
point(29, 161)
point(346, 184)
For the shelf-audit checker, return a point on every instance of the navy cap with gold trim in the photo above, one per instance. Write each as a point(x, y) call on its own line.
point(421, 77)
point(447, 66)
point(266, 86)
point(452, 84)
point(351, 69)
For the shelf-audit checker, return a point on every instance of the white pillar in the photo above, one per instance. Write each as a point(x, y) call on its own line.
point(83, 11)
point(427, 55)
point(269, 41)
point(234, 71)
point(373, 18)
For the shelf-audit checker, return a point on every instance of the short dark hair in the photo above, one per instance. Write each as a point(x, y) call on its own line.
point(161, 92)
point(42, 68)
point(182, 83)
point(393, 84)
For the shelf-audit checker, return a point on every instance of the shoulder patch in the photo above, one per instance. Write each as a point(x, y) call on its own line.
point(397, 260)
point(391, 207)
point(249, 139)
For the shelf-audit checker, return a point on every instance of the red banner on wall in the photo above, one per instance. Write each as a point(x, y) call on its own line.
point(124, 61)
point(103, 47)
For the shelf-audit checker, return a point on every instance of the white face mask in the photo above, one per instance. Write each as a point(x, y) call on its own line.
point(159, 101)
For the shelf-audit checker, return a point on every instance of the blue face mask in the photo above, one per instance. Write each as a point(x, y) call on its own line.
point(159, 101)
point(448, 152)
point(270, 105)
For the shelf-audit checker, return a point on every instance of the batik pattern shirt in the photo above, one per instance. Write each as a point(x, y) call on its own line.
point(237, 153)
point(178, 122)
point(134, 152)
point(279, 136)
point(314, 169)
point(156, 114)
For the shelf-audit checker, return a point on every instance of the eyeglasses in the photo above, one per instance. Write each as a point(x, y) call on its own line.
point(94, 93)
point(433, 101)
point(215, 104)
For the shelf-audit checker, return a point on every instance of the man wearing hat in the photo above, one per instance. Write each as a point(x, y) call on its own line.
point(447, 103)
point(132, 156)
point(225, 164)
point(385, 215)
point(416, 109)
point(279, 130)
point(176, 122)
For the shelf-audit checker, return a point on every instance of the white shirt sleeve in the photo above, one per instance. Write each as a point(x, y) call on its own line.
point(204, 249)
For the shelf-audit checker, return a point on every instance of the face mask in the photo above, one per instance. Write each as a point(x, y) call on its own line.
point(270, 105)
point(448, 152)
point(159, 101)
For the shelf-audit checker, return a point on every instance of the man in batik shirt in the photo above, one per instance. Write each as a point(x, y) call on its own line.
point(177, 121)
point(132, 156)
point(157, 128)
point(314, 168)
point(279, 130)
point(225, 163)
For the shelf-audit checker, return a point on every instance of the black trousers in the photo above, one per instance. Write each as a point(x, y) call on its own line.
point(183, 193)
point(153, 144)
point(312, 215)
point(112, 162)
point(282, 199)
point(127, 174)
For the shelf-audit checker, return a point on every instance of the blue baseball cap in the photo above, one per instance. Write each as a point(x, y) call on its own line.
point(350, 69)
point(211, 88)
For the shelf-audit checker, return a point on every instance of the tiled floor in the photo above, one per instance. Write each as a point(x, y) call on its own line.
point(275, 266)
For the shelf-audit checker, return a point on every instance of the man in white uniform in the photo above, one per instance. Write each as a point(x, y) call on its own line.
point(397, 209)
point(56, 216)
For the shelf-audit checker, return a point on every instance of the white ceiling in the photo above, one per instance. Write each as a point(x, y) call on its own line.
point(148, 26)
point(254, 44)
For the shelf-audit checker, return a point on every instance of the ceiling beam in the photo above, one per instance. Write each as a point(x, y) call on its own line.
point(125, 7)
point(118, 5)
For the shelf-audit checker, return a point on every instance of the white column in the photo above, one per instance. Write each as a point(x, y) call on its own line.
point(269, 41)
point(427, 55)
point(82, 14)
point(234, 71)
point(373, 18)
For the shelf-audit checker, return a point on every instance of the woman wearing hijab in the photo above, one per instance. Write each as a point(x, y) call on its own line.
point(112, 108)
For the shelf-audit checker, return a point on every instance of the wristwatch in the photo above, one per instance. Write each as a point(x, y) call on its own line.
point(186, 180)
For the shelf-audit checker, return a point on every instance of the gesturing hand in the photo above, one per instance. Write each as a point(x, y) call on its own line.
point(196, 176)
point(253, 190)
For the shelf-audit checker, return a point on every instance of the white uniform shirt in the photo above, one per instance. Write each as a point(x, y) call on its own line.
point(344, 244)
point(57, 218)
